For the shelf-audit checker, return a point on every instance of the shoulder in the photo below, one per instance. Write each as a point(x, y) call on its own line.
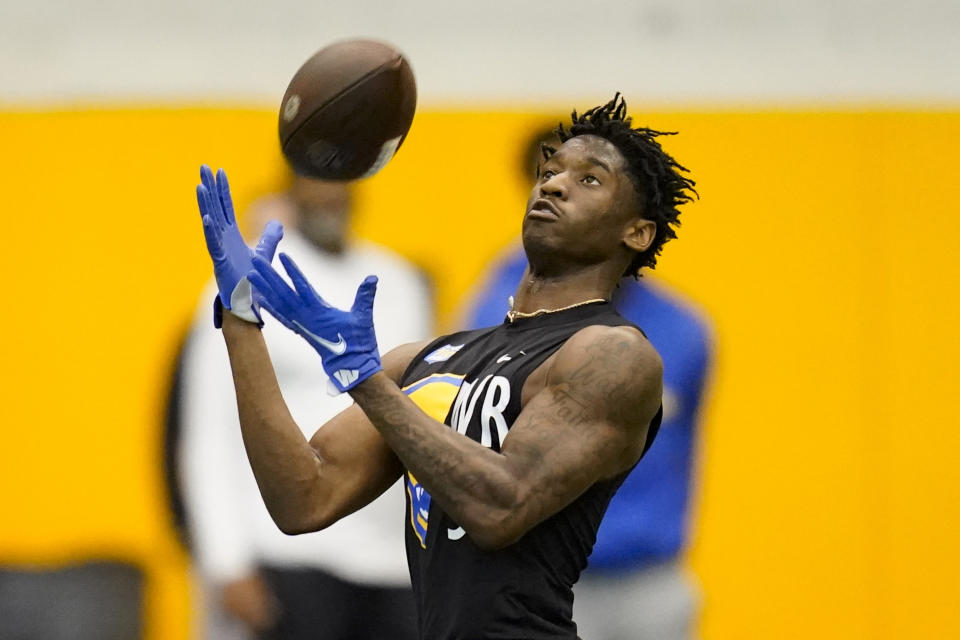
point(606, 383)
point(613, 367)
point(620, 347)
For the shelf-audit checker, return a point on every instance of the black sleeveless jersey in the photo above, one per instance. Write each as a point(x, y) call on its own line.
point(472, 381)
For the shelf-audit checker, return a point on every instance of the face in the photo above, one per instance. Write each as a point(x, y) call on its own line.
point(583, 209)
point(323, 209)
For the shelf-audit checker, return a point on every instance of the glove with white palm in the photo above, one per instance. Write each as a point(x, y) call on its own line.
point(345, 340)
point(232, 258)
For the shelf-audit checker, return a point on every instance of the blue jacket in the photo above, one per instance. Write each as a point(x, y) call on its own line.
point(647, 518)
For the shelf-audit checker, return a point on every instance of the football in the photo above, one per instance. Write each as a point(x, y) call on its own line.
point(347, 110)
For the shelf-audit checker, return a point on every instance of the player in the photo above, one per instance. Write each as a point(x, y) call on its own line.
point(557, 404)
point(636, 585)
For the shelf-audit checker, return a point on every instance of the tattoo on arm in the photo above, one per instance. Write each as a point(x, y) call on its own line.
point(588, 424)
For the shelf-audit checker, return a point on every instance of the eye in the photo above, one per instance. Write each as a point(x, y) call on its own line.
point(590, 179)
point(546, 174)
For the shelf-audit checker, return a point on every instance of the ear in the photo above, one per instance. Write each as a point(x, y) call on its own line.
point(639, 234)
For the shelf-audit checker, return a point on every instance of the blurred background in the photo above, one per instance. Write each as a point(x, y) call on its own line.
point(823, 137)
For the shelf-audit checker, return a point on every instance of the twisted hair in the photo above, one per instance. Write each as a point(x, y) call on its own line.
point(657, 178)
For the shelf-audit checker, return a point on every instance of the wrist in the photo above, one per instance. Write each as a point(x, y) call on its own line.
point(233, 323)
point(371, 387)
point(251, 315)
point(345, 377)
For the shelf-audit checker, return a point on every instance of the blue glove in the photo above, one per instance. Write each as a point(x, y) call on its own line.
point(345, 340)
point(232, 258)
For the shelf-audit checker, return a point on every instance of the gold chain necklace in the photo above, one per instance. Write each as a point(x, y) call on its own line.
point(513, 315)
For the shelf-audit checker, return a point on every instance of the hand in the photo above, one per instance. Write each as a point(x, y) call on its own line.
point(232, 258)
point(249, 600)
point(345, 340)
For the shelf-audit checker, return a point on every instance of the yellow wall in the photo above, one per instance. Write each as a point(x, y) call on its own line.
point(825, 248)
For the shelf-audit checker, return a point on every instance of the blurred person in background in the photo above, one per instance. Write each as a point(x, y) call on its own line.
point(635, 585)
point(352, 581)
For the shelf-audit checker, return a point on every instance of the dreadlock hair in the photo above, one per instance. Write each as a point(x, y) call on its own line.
point(656, 176)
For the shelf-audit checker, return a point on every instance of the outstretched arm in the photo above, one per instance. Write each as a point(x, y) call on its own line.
point(307, 486)
point(588, 424)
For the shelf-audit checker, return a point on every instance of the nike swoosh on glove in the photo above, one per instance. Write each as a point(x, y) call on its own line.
point(345, 340)
point(232, 258)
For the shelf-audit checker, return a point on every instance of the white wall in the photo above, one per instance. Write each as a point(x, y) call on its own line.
point(490, 50)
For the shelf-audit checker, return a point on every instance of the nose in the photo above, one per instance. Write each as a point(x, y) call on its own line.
point(554, 186)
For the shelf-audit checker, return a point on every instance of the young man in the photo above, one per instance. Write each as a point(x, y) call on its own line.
point(557, 404)
point(636, 585)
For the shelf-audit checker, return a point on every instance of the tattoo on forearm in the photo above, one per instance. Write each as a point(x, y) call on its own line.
point(458, 471)
point(571, 422)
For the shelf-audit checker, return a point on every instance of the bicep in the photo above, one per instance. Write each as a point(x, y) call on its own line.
point(588, 424)
point(556, 453)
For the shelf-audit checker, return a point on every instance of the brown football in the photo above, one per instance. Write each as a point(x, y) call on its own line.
point(347, 110)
